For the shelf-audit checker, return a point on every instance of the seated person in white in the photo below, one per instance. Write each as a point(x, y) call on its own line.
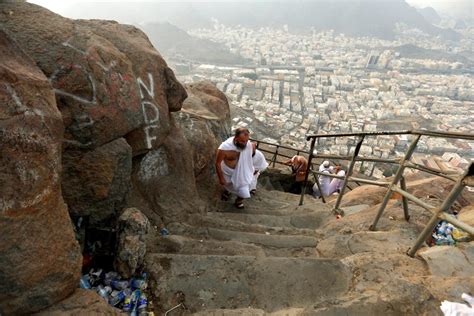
point(324, 181)
point(336, 184)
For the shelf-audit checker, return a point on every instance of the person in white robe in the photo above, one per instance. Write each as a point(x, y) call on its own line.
point(234, 166)
point(324, 181)
point(259, 164)
point(336, 184)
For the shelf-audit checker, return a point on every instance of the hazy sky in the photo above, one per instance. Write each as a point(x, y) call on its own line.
point(59, 6)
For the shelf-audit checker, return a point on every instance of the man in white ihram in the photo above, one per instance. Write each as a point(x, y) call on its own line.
point(234, 166)
point(324, 181)
point(259, 164)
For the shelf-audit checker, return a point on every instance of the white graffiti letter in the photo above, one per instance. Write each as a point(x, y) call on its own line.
point(152, 115)
point(149, 90)
point(149, 138)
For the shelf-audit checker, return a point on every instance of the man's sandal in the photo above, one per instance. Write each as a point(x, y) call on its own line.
point(253, 192)
point(239, 203)
point(225, 196)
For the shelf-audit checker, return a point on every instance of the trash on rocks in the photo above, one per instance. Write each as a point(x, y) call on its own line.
point(460, 235)
point(164, 231)
point(442, 234)
point(124, 294)
point(454, 309)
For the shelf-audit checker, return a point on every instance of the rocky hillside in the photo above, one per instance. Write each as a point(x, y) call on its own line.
point(90, 123)
point(99, 143)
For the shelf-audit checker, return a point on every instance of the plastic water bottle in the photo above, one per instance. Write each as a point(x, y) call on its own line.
point(142, 302)
point(119, 284)
point(84, 282)
point(139, 283)
point(119, 296)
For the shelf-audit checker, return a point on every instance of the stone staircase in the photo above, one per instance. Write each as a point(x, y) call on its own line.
point(278, 258)
point(254, 261)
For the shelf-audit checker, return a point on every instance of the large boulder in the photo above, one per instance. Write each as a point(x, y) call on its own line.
point(40, 261)
point(110, 83)
point(96, 182)
point(133, 228)
point(164, 177)
point(108, 79)
point(205, 121)
point(82, 303)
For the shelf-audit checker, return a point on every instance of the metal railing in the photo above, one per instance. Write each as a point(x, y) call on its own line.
point(440, 213)
point(276, 151)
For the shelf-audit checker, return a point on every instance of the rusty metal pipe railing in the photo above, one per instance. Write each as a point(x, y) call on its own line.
point(404, 199)
point(397, 178)
point(412, 198)
point(348, 174)
point(432, 171)
point(308, 169)
point(440, 212)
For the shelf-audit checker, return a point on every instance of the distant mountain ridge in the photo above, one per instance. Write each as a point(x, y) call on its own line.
point(174, 42)
point(357, 18)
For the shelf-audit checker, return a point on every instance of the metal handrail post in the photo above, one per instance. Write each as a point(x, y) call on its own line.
point(397, 177)
point(275, 156)
point(453, 195)
point(348, 173)
point(316, 180)
point(404, 200)
point(310, 158)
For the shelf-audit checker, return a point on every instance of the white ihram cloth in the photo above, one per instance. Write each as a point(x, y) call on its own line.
point(336, 184)
point(324, 182)
point(241, 177)
point(259, 164)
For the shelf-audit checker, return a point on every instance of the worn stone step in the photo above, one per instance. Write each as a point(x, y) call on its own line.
point(231, 282)
point(267, 240)
point(203, 246)
point(276, 203)
point(301, 221)
point(249, 312)
point(206, 246)
point(232, 222)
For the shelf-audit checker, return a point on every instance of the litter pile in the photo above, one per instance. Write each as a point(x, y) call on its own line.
point(127, 295)
point(447, 234)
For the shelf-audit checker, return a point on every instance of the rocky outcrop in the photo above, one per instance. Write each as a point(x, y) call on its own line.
point(205, 121)
point(133, 228)
point(82, 302)
point(115, 138)
point(39, 256)
point(95, 182)
point(110, 83)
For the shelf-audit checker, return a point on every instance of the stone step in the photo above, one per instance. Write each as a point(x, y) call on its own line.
point(276, 203)
point(243, 222)
point(298, 221)
point(250, 312)
point(231, 282)
point(192, 246)
point(205, 246)
point(267, 240)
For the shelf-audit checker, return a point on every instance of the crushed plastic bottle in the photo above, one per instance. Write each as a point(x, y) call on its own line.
point(84, 282)
point(119, 284)
point(139, 283)
point(118, 297)
point(104, 291)
point(142, 302)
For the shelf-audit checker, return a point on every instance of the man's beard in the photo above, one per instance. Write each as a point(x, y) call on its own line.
point(240, 145)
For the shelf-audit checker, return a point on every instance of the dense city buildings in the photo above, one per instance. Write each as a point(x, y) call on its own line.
point(322, 82)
